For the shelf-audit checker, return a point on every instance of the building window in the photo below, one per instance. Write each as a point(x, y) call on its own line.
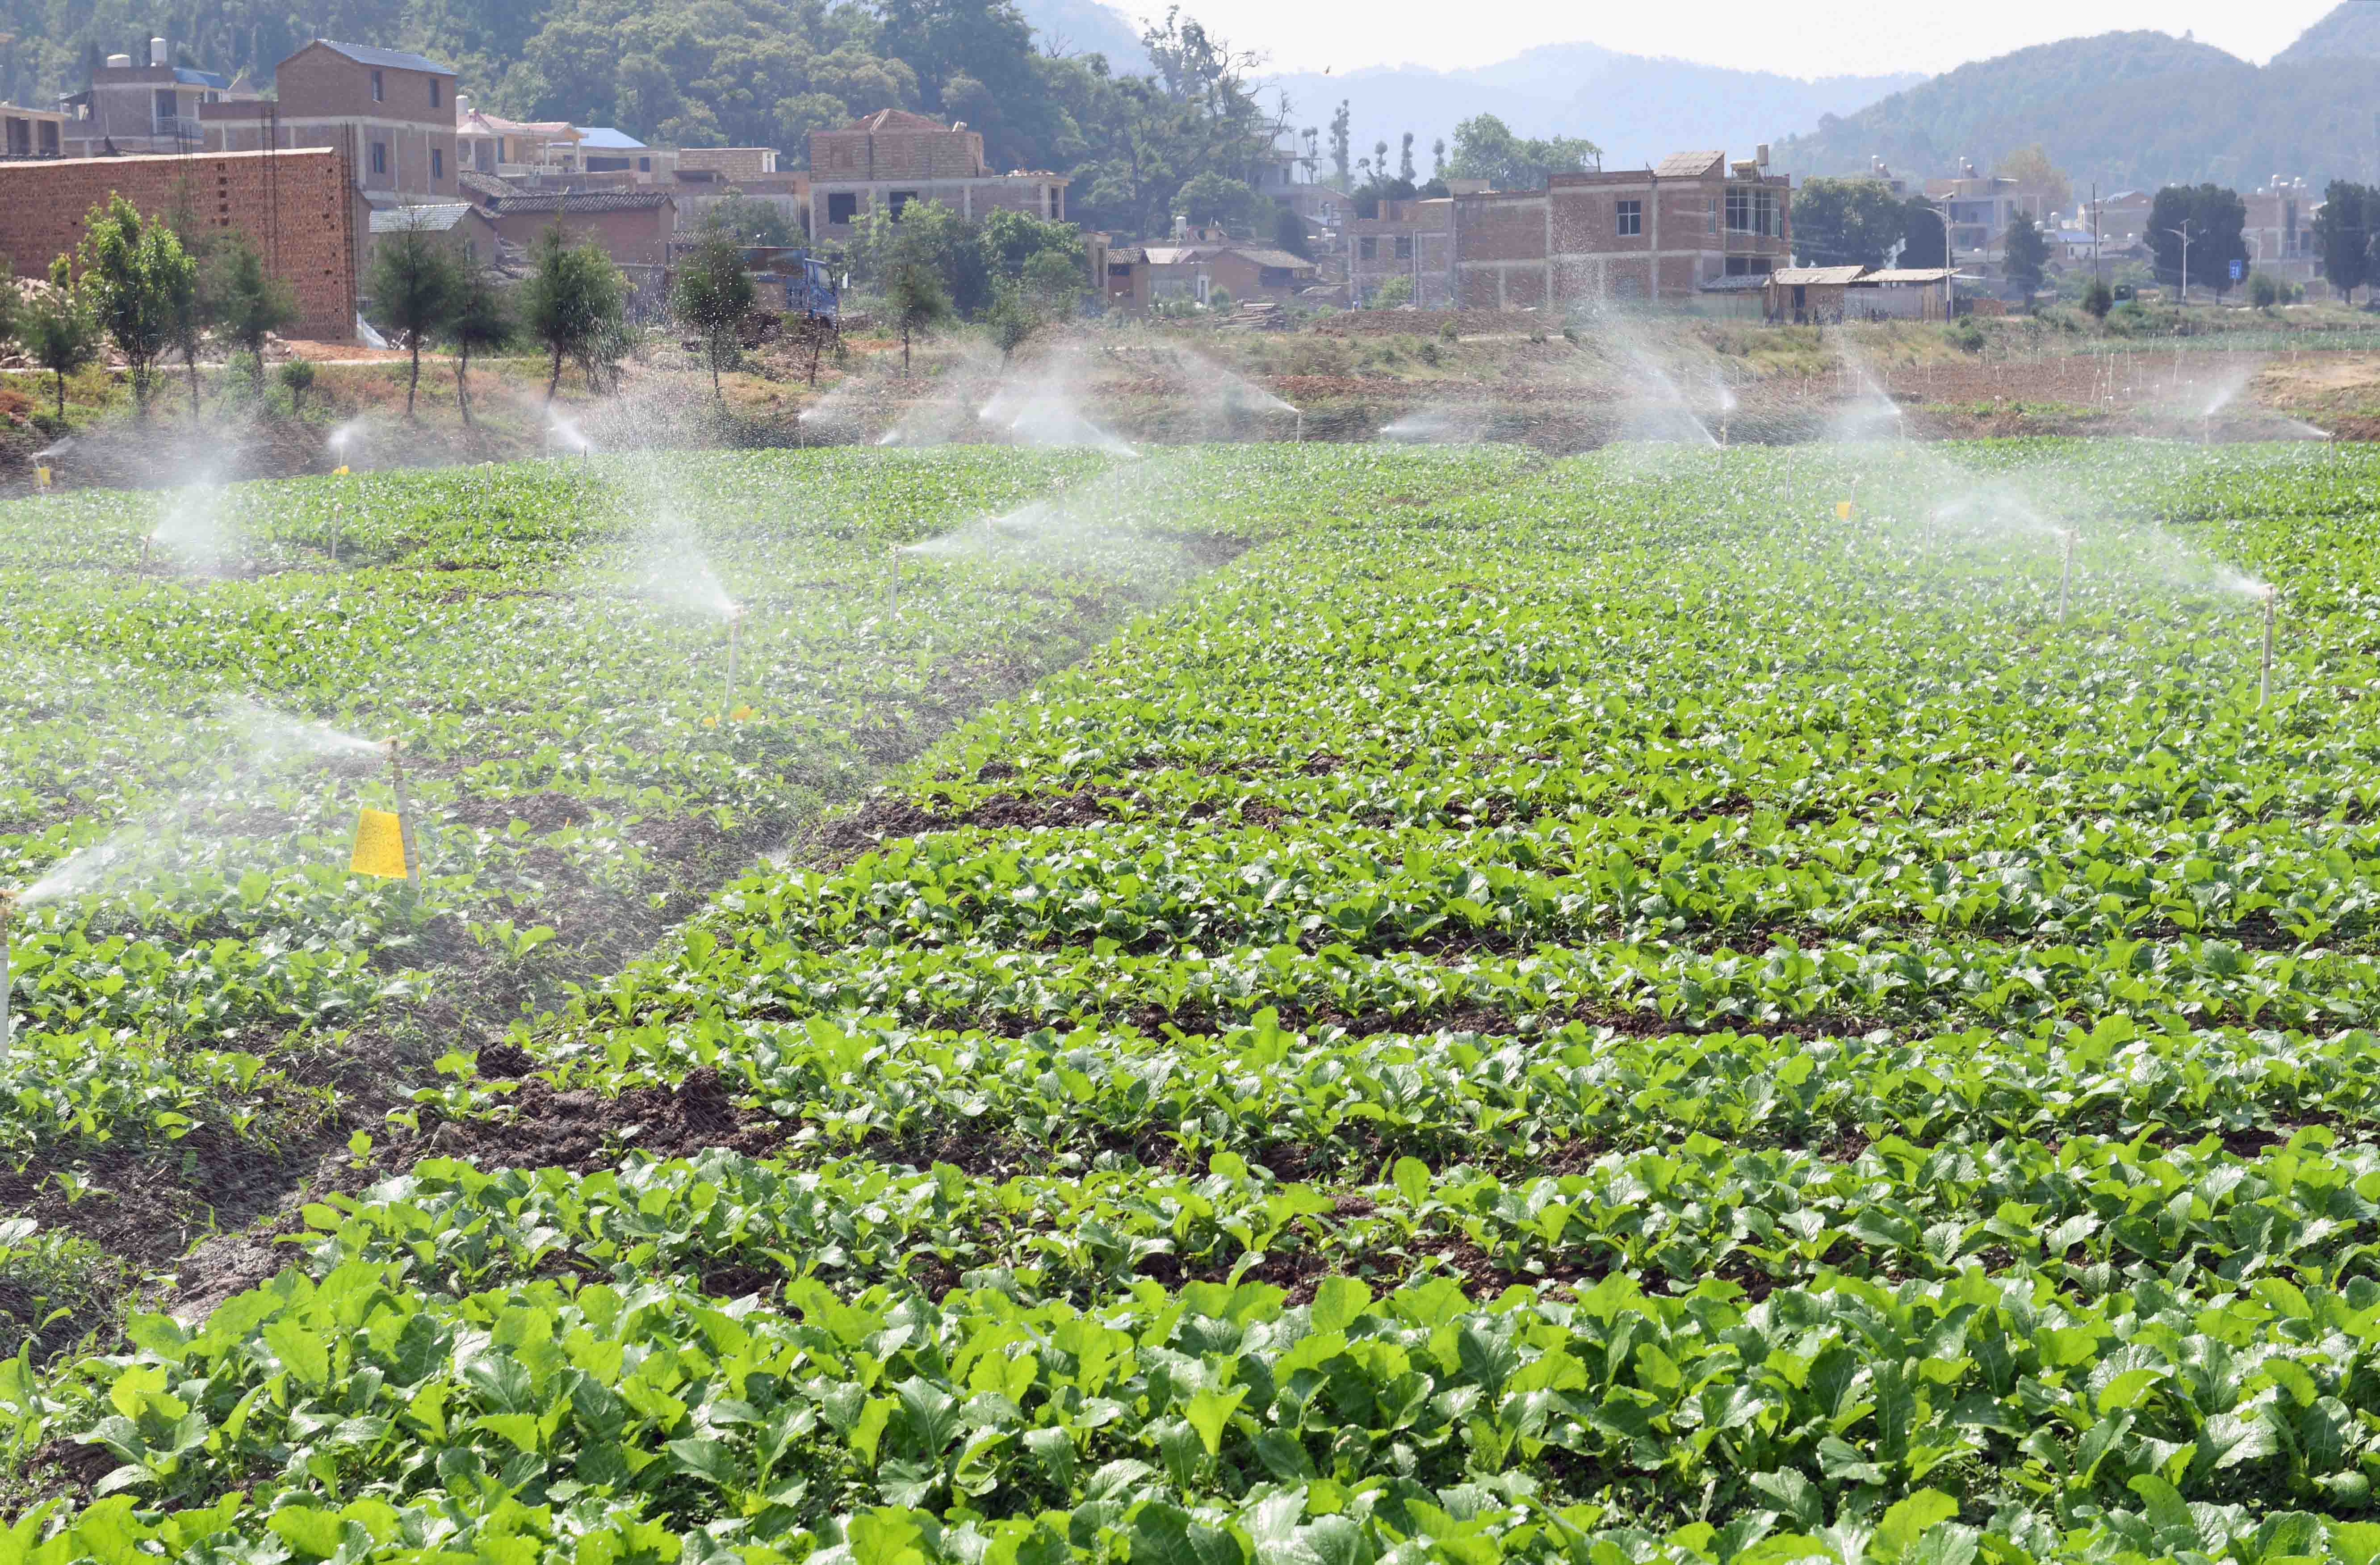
point(1631, 219)
point(1738, 211)
point(899, 199)
point(1710, 222)
point(843, 207)
point(1272, 277)
point(1405, 247)
point(377, 94)
point(380, 157)
point(644, 165)
point(1368, 249)
point(437, 162)
point(433, 92)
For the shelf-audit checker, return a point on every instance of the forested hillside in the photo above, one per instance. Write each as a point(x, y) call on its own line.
point(2127, 108)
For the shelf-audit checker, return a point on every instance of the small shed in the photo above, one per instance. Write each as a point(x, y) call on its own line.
point(1908, 293)
point(1806, 293)
point(460, 222)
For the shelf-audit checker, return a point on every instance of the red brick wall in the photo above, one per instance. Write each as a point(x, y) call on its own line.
point(298, 217)
point(896, 155)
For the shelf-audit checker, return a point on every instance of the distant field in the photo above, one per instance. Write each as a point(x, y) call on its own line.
point(1319, 1004)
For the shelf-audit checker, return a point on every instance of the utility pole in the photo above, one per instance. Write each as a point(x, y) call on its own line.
point(2182, 234)
point(2097, 272)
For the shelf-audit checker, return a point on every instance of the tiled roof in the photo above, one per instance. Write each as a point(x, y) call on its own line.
point(486, 187)
point(1688, 165)
point(1908, 274)
point(896, 119)
point(1270, 257)
point(582, 200)
point(440, 219)
point(392, 59)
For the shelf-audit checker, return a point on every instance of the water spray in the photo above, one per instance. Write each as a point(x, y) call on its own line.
point(893, 587)
point(1300, 436)
point(2264, 678)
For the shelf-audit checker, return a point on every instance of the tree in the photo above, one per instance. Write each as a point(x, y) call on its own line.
point(134, 272)
point(2098, 298)
point(1053, 282)
point(2343, 235)
point(1486, 149)
point(2215, 219)
point(749, 219)
point(1342, 138)
point(2031, 168)
point(1012, 318)
point(478, 320)
point(186, 315)
point(59, 328)
point(2265, 291)
point(1404, 161)
point(574, 305)
point(1211, 200)
point(712, 296)
point(298, 376)
point(1289, 232)
point(244, 300)
point(2024, 252)
point(412, 288)
point(931, 235)
point(1849, 222)
point(1438, 161)
point(913, 294)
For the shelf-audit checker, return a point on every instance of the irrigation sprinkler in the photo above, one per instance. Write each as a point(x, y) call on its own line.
point(893, 587)
point(335, 534)
point(735, 625)
point(404, 820)
point(1300, 436)
point(147, 542)
point(7, 977)
point(2264, 678)
point(2066, 575)
point(42, 478)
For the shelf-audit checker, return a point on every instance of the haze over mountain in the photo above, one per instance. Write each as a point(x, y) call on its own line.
point(2131, 108)
point(1635, 108)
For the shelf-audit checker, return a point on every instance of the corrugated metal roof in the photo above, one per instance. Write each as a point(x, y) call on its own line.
point(440, 219)
point(1270, 257)
point(1742, 283)
point(1908, 274)
point(1814, 276)
point(1688, 165)
point(582, 200)
point(391, 59)
point(190, 78)
point(602, 136)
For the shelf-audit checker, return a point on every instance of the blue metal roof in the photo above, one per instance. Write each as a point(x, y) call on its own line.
point(602, 138)
point(190, 78)
point(393, 59)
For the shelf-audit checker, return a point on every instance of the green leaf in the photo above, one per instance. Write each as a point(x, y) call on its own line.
point(1338, 1301)
point(1906, 1520)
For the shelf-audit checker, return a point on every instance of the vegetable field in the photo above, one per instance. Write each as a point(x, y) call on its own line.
point(1281, 1006)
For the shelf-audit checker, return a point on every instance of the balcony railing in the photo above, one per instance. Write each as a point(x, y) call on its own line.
point(180, 128)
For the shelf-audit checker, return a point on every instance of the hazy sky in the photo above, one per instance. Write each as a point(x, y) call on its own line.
point(1749, 34)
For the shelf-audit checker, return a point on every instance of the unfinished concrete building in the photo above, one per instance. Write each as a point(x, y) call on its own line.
point(885, 160)
point(1650, 236)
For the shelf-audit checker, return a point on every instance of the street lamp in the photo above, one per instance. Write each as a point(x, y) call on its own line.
point(1950, 263)
point(2182, 234)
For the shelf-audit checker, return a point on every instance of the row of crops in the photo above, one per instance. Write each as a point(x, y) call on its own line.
point(1665, 1007)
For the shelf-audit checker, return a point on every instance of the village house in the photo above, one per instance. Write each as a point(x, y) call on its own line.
point(1650, 236)
point(129, 110)
point(1140, 277)
point(1979, 208)
point(634, 226)
point(390, 112)
point(2279, 230)
point(468, 229)
point(512, 148)
point(31, 133)
point(886, 160)
point(1410, 239)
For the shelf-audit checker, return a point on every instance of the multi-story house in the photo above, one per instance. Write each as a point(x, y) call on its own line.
point(392, 114)
point(886, 160)
point(128, 109)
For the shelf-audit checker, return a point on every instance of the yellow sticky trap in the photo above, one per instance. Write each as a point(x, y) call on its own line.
point(380, 845)
point(340, 471)
point(741, 714)
point(41, 474)
point(1842, 510)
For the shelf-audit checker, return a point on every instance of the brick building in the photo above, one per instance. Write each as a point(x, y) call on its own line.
point(1649, 236)
point(1410, 239)
point(1138, 277)
point(296, 206)
point(392, 114)
point(890, 158)
point(131, 109)
point(633, 227)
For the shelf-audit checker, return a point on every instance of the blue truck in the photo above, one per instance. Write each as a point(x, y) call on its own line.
point(792, 279)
